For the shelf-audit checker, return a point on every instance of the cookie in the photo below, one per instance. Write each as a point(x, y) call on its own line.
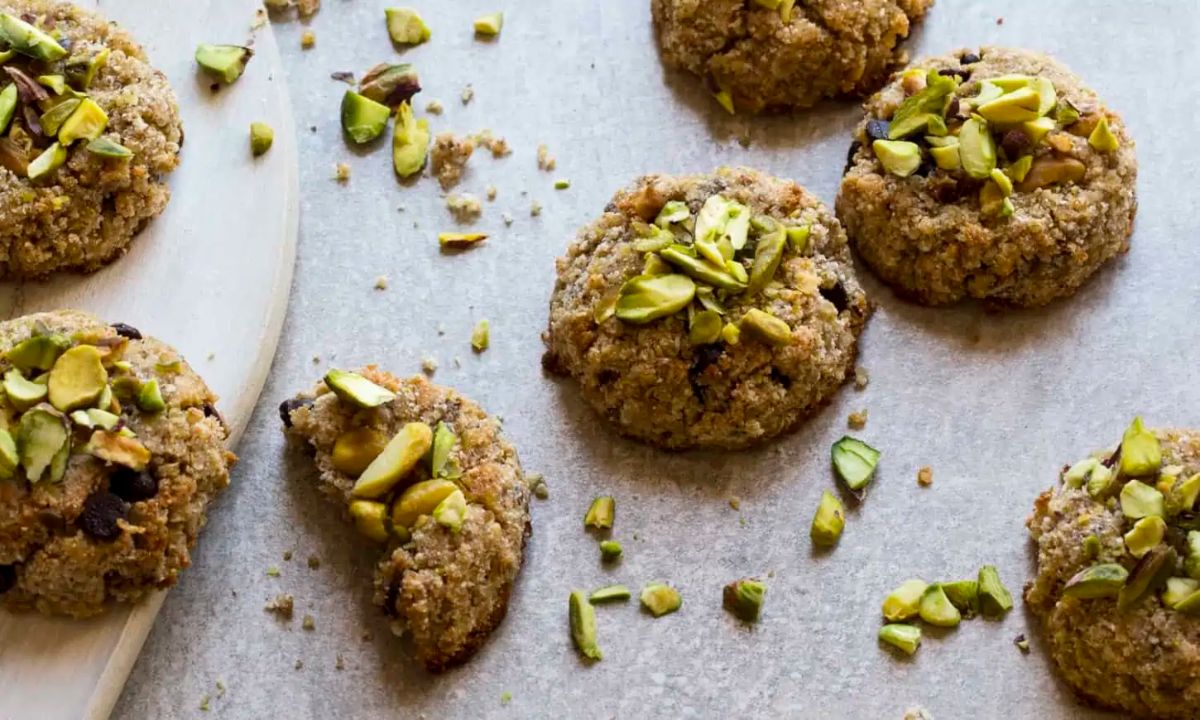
point(111, 449)
point(92, 133)
point(1117, 588)
point(994, 175)
point(707, 311)
point(426, 474)
point(784, 55)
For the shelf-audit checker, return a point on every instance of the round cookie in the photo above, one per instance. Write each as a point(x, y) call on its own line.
point(784, 55)
point(993, 175)
point(1124, 631)
point(428, 475)
point(681, 352)
point(68, 202)
point(110, 451)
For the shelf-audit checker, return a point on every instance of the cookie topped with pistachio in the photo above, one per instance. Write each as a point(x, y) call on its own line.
point(992, 174)
point(707, 310)
point(427, 477)
point(88, 129)
point(111, 448)
point(1118, 573)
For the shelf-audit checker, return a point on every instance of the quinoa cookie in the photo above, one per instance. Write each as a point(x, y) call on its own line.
point(708, 311)
point(1118, 574)
point(110, 451)
point(781, 55)
point(87, 131)
point(993, 175)
point(426, 474)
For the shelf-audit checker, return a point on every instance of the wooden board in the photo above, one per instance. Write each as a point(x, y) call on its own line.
point(210, 276)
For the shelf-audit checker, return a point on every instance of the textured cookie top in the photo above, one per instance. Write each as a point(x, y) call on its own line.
point(110, 448)
point(88, 128)
point(428, 475)
point(1118, 580)
point(696, 304)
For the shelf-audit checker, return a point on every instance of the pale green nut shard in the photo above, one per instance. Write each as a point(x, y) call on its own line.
point(610, 593)
point(936, 609)
point(1145, 534)
point(481, 336)
point(646, 298)
point(828, 522)
point(765, 327)
point(363, 119)
point(405, 26)
point(601, 513)
point(28, 40)
point(660, 599)
point(356, 389)
point(1141, 454)
point(262, 136)
point(410, 142)
point(904, 637)
point(1102, 137)
point(977, 149)
point(1139, 500)
point(855, 462)
point(744, 598)
point(994, 598)
point(964, 594)
point(583, 625)
point(224, 62)
point(905, 601)
point(490, 24)
point(898, 157)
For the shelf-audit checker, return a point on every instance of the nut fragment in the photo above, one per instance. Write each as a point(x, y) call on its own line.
point(936, 608)
point(906, 638)
point(828, 521)
point(600, 513)
point(1139, 500)
point(354, 450)
point(744, 598)
point(262, 136)
point(1051, 170)
point(647, 298)
point(583, 625)
point(905, 601)
point(994, 598)
point(225, 62)
point(399, 457)
point(1097, 581)
point(898, 157)
point(854, 461)
point(766, 327)
point(1145, 535)
point(610, 593)
point(1141, 454)
point(370, 518)
point(44, 439)
point(410, 142)
point(405, 26)
point(356, 389)
point(363, 119)
point(660, 599)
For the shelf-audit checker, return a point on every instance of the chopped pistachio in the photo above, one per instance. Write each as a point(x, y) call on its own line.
point(489, 24)
point(1102, 137)
point(107, 148)
point(354, 450)
point(936, 608)
point(1145, 534)
point(674, 211)
point(225, 62)
point(916, 110)
point(1092, 547)
point(398, 458)
point(1078, 474)
point(56, 83)
point(645, 298)
point(744, 598)
point(1102, 482)
point(964, 594)
point(1019, 169)
point(610, 550)
point(994, 598)
point(481, 336)
point(149, 398)
point(1051, 170)
point(420, 498)
point(725, 100)
point(854, 461)
point(583, 625)
point(1018, 106)
point(904, 637)
point(766, 327)
point(405, 26)
point(723, 219)
point(731, 334)
point(355, 389)
point(9, 459)
point(946, 157)
point(410, 142)
point(977, 149)
point(1150, 573)
point(1178, 590)
point(601, 512)
point(363, 119)
point(50, 160)
point(798, 237)
point(704, 327)
point(767, 256)
point(28, 40)
point(1186, 494)
point(371, 519)
point(77, 379)
point(308, 39)
point(444, 440)
point(459, 241)
point(1002, 181)
point(44, 439)
point(905, 601)
point(390, 84)
point(610, 593)
point(8, 106)
point(828, 521)
point(684, 258)
point(1139, 500)
point(1191, 559)
point(38, 352)
point(898, 157)
point(660, 599)
point(1141, 453)
point(785, 10)
point(22, 394)
point(262, 136)
point(562, 184)
point(451, 512)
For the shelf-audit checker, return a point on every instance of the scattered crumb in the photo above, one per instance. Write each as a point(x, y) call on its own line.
point(277, 5)
point(857, 420)
point(314, 562)
point(220, 688)
point(272, 571)
point(744, 138)
point(917, 713)
point(465, 208)
point(925, 476)
point(545, 162)
point(308, 8)
point(498, 145)
point(468, 94)
point(339, 663)
point(367, 636)
point(448, 158)
point(381, 282)
point(999, 21)
point(441, 329)
point(429, 366)
point(735, 502)
point(308, 39)
point(861, 377)
point(282, 605)
point(343, 76)
point(287, 555)
point(260, 19)
point(507, 218)
point(491, 192)
point(434, 107)
point(299, 664)
point(204, 704)
point(535, 208)
point(308, 623)
point(342, 172)
point(316, 359)
point(457, 362)
point(537, 485)
point(505, 697)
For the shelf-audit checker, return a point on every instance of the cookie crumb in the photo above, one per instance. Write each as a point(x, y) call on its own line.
point(342, 172)
point(367, 636)
point(468, 94)
point(220, 688)
point(861, 377)
point(448, 158)
point(339, 663)
point(497, 145)
point(273, 571)
point(465, 208)
point(735, 502)
point(282, 605)
point(260, 19)
point(287, 555)
point(491, 192)
point(544, 159)
point(204, 704)
point(308, 623)
point(857, 420)
point(925, 476)
point(429, 366)
point(308, 39)
point(314, 562)
point(537, 485)
point(381, 282)
point(434, 107)
point(1000, 21)
point(299, 664)
point(505, 697)
point(535, 208)
point(1022, 643)
point(917, 713)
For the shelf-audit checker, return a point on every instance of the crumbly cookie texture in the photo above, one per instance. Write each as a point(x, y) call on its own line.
point(788, 57)
point(1143, 658)
point(138, 452)
point(446, 581)
point(85, 213)
point(1060, 204)
point(727, 368)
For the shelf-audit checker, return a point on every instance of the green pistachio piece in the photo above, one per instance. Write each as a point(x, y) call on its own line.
point(354, 450)
point(725, 100)
point(390, 84)
point(451, 512)
point(405, 26)
point(914, 112)
point(1139, 500)
point(706, 272)
point(9, 459)
point(744, 598)
point(660, 599)
point(964, 594)
point(262, 136)
point(224, 62)
point(38, 352)
point(1190, 605)
point(1047, 97)
point(52, 120)
point(1150, 573)
point(708, 300)
point(363, 119)
point(1145, 534)
point(1078, 474)
point(1191, 560)
point(855, 462)
point(1178, 590)
point(149, 397)
point(97, 418)
point(1102, 137)
point(674, 211)
point(905, 601)
point(44, 439)
point(913, 124)
point(81, 71)
point(722, 218)
point(936, 609)
point(610, 550)
point(371, 519)
point(946, 157)
point(798, 238)
point(828, 522)
point(600, 513)
point(28, 40)
point(1183, 497)
point(992, 200)
point(50, 160)
point(77, 378)
point(1065, 113)
point(444, 440)
point(1019, 169)
point(767, 256)
point(606, 306)
point(355, 389)
point(1097, 581)
point(22, 394)
point(410, 142)
point(1010, 83)
point(1013, 107)
point(8, 106)
point(704, 328)
point(56, 83)
point(904, 637)
point(6, 55)
point(420, 498)
point(481, 336)
point(645, 298)
point(652, 238)
point(898, 157)
point(106, 148)
point(737, 271)
point(1038, 129)
point(489, 24)
point(766, 327)
point(399, 457)
point(1102, 483)
point(710, 251)
point(1141, 454)
point(583, 625)
point(988, 91)
point(1002, 181)
point(994, 598)
point(610, 593)
point(977, 149)
point(1091, 547)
